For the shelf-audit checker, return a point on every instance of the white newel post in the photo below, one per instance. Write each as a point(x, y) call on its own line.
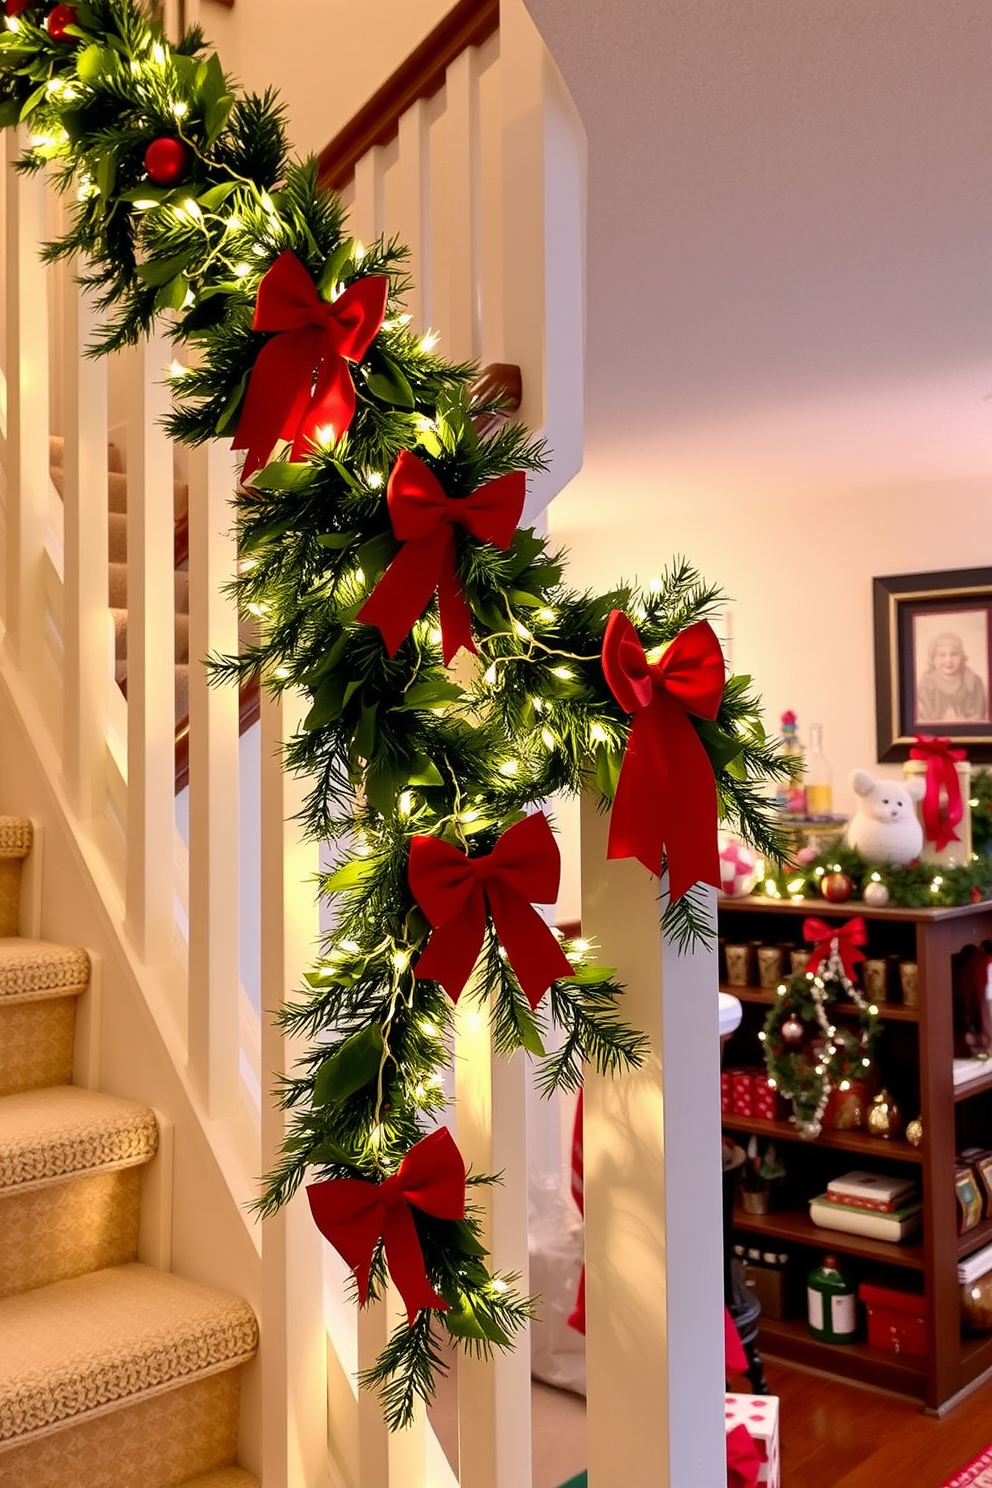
point(151, 656)
point(294, 1343)
point(27, 411)
point(214, 981)
point(653, 1205)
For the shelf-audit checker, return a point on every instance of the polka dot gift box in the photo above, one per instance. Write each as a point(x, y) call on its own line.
point(759, 1414)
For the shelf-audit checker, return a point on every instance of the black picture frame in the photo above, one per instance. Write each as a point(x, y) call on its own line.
point(933, 660)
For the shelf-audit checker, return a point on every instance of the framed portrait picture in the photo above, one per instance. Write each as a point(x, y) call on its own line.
point(933, 660)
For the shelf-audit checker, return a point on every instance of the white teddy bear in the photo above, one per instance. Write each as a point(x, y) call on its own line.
point(885, 827)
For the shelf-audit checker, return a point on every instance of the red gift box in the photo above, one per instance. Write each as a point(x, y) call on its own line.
point(897, 1321)
point(742, 1092)
point(767, 1101)
point(726, 1092)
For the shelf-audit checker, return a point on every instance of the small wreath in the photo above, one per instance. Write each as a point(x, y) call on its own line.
point(806, 1054)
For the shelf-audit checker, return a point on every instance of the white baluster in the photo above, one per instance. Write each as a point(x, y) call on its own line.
point(294, 1348)
point(86, 674)
point(27, 412)
point(653, 1213)
point(494, 1439)
point(365, 219)
point(461, 318)
point(410, 206)
point(151, 715)
point(214, 980)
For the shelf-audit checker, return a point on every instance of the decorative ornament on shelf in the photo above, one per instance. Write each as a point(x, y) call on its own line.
point(836, 887)
point(875, 893)
point(884, 1117)
point(740, 867)
point(59, 19)
point(808, 1070)
point(914, 1132)
point(884, 827)
point(167, 160)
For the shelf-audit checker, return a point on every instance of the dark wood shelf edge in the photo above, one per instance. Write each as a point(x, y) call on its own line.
point(837, 1141)
point(790, 1341)
point(973, 1240)
point(794, 1226)
point(974, 1087)
point(893, 1011)
point(976, 1358)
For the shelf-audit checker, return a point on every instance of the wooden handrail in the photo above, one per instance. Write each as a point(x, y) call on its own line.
point(469, 23)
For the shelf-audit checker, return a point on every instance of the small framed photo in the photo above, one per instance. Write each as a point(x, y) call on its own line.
point(933, 660)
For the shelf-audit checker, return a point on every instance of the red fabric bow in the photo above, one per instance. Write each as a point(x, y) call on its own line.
point(743, 1459)
point(424, 519)
point(353, 1215)
point(939, 821)
point(848, 937)
point(300, 382)
point(453, 889)
point(666, 795)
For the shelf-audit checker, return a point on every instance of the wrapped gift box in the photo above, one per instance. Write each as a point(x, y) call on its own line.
point(897, 1321)
point(742, 1092)
point(726, 1092)
point(759, 1414)
point(956, 853)
point(768, 1104)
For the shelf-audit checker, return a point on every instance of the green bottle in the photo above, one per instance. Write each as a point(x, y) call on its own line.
point(832, 1303)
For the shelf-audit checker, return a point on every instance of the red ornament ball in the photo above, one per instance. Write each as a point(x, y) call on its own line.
point(837, 888)
point(17, 7)
point(58, 19)
point(167, 161)
point(792, 1030)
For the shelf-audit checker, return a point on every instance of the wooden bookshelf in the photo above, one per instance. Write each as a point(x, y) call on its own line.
point(915, 1059)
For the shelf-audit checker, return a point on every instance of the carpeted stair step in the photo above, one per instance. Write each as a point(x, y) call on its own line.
point(15, 844)
point(117, 588)
point(69, 1183)
point(75, 1351)
point(56, 454)
point(39, 984)
point(225, 1477)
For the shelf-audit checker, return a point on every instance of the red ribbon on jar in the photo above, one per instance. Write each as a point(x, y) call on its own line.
point(665, 800)
point(848, 938)
point(354, 1215)
point(940, 817)
point(424, 518)
point(300, 384)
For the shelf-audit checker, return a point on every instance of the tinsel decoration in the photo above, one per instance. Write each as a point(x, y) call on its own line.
point(807, 1067)
point(393, 746)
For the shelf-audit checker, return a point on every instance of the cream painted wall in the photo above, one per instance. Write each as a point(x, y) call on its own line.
point(789, 317)
point(326, 57)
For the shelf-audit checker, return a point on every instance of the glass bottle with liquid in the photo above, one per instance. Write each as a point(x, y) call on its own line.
point(832, 1303)
point(819, 776)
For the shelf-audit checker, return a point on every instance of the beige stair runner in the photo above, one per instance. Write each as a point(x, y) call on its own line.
point(112, 1374)
point(117, 584)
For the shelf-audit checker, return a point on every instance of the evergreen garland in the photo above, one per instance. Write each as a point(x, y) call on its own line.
point(915, 885)
point(391, 746)
point(981, 812)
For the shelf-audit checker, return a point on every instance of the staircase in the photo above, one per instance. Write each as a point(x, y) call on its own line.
point(112, 1374)
point(117, 578)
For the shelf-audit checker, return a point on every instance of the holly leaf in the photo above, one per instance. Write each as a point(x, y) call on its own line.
point(388, 383)
point(159, 271)
point(216, 118)
point(333, 270)
point(351, 875)
point(336, 540)
point(230, 414)
point(530, 1035)
point(172, 296)
point(215, 196)
point(32, 101)
point(608, 762)
point(423, 771)
point(437, 694)
point(328, 703)
point(283, 475)
point(350, 1068)
point(382, 785)
point(721, 747)
point(363, 739)
point(95, 62)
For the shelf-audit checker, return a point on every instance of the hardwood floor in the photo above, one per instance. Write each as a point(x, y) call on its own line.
point(843, 1436)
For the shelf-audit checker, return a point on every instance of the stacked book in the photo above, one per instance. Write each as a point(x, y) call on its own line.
point(869, 1204)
